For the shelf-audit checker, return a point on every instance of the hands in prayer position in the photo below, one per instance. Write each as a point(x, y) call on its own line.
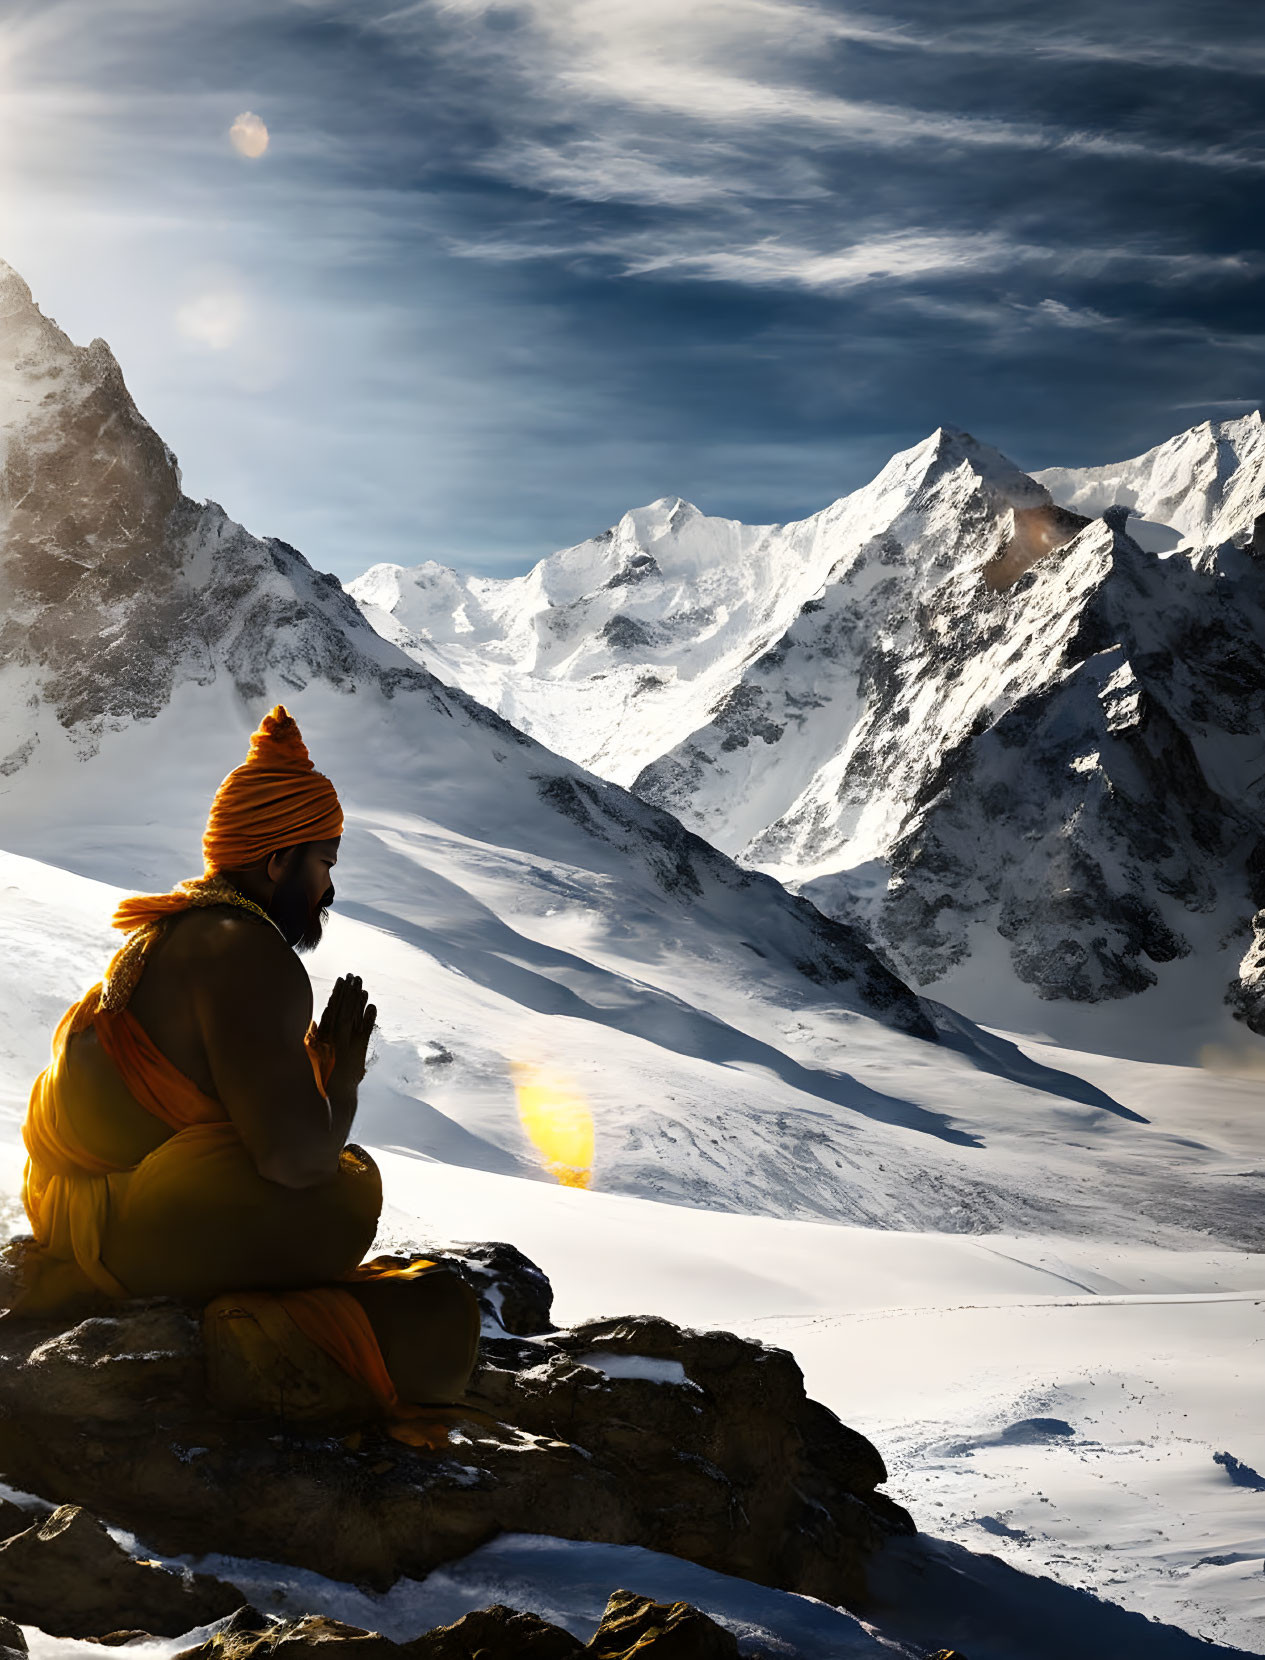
point(346, 1027)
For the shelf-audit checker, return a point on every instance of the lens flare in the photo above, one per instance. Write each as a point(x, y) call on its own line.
point(557, 1121)
point(213, 319)
point(248, 135)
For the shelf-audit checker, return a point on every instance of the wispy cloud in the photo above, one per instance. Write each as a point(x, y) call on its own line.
point(1228, 404)
point(1129, 47)
point(726, 66)
point(698, 254)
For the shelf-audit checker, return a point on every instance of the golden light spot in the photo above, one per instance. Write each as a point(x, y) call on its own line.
point(248, 135)
point(557, 1121)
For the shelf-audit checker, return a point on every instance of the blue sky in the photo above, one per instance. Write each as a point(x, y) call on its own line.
point(506, 270)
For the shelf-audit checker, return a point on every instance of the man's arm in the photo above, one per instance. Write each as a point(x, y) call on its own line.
point(254, 1006)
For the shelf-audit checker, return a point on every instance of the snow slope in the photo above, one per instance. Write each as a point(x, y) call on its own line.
point(1011, 744)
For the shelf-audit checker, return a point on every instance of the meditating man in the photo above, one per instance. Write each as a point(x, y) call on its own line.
point(189, 1137)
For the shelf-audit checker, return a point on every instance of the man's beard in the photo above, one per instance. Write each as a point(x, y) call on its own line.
point(300, 922)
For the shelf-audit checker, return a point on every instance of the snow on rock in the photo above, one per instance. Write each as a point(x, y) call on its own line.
point(1015, 746)
point(650, 1368)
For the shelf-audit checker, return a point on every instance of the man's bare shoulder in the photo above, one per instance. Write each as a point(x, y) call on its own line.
point(226, 938)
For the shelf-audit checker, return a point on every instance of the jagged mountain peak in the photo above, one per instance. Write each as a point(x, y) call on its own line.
point(43, 352)
point(616, 649)
point(668, 511)
point(86, 484)
point(97, 540)
point(15, 292)
point(1199, 487)
point(946, 450)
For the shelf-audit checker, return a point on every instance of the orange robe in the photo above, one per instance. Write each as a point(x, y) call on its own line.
point(192, 1218)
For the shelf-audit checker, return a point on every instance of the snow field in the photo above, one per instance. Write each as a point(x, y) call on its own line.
point(933, 1344)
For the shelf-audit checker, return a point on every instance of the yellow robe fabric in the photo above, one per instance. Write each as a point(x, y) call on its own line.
point(192, 1218)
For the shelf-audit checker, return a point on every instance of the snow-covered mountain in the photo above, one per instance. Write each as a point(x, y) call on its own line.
point(1023, 752)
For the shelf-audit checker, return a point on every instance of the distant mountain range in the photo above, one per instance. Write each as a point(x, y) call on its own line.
point(1009, 739)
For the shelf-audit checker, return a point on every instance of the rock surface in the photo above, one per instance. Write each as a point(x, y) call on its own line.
point(513, 1293)
point(631, 1627)
point(250, 1635)
point(632, 1431)
point(496, 1633)
point(634, 1625)
point(70, 1578)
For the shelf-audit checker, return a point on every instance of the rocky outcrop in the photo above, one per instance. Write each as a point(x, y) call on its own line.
point(632, 1628)
point(634, 1625)
point(250, 1635)
point(497, 1633)
point(1246, 995)
point(629, 1431)
point(707, 1428)
point(69, 1577)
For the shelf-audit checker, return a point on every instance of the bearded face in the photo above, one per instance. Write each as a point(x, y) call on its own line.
point(301, 900)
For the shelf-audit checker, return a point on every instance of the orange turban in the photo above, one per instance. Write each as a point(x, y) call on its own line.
point(275, 799)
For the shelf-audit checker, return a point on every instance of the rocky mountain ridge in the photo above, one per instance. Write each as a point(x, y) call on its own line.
point(950, 708)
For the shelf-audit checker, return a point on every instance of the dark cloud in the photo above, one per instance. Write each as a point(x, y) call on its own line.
point(508, 269)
